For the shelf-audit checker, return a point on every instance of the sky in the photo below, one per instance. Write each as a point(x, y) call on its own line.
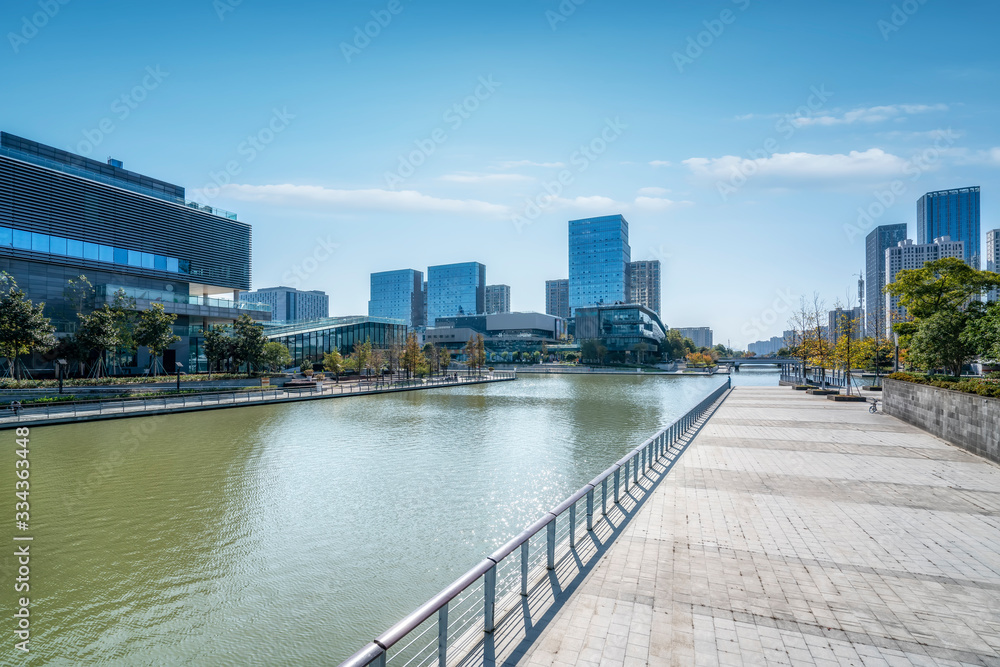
point(750, 145)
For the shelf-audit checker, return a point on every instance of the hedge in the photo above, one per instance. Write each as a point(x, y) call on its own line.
point(990, 388)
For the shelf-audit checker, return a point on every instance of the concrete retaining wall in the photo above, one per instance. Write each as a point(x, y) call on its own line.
point(965, 420)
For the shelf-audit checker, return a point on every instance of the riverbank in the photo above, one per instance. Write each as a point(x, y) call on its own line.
point(65, 413)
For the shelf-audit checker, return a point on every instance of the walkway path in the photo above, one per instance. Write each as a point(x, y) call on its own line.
point(795, 530)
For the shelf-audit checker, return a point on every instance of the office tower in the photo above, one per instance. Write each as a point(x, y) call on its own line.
point(599, 256)
point(644, 283)
point(909, 255)
point(398, 295)
point(842, 320)
point(878, 240)
point(455, 289)
point(993, 259)
point(497, 299)
point(700, 336)
point(63, 215)
point(289, 304)
point(557, 297)
point(951, 213)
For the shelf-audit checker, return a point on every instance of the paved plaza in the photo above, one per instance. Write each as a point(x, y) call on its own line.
point(797, 531)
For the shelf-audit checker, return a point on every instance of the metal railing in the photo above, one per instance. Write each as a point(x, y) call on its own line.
point(468, 608)
point(138, 405)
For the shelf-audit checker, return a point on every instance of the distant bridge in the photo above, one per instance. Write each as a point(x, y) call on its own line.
point(770, 361)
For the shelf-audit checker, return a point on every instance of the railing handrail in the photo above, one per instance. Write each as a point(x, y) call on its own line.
point(387, 639)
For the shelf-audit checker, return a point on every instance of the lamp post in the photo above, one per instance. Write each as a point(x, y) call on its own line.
point(179, 367)
point(61, 366)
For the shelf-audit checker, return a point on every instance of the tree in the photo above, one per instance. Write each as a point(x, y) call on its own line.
point(155, 331)
point(411, 357)
point(983, 333)
point(216, 345)
point(306, 366)
point(378, 360)
point(431, 355)
point(126, 321)
point(939, 343)
point(79, 293)
point(444, 358)
point(98, 332)
point(249, 340)
point(275, 356)
point(942, 284)
point(362, 355)
point(640, 351)
point(334, 363)
point(23, 327)
point(588, 350)
point(481, 352)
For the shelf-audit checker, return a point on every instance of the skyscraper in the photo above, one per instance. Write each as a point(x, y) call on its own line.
point(398, 295)
point(952, 213)
point(497, 299)
point(289, 304)
point(909, 255)
point(599, 256)
point(455, 289)
point(993, 259)
point(880, 238)
point(644, 283)
point(557, 297)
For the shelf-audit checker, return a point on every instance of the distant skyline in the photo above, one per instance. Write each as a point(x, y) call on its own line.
point(751, 146)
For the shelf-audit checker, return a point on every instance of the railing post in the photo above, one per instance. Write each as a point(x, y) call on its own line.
point(489, 597)
point(625, 476)
point(590, 509)
point(443, 636)
point(572, 526)
point(635, 469)
point(524, 567)
point(616, 484)
point(380, 660)
point(551, 542)
point(604, 497)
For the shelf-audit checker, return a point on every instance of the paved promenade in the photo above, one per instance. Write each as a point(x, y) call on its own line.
point(797, 531)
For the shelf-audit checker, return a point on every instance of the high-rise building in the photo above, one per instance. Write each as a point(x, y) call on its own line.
point(700, 336)
point(497, 299)
point(951, 213)
point(909, 255)
point(993, 259)
point(398, 295)
point(880, 238)
point(644, 283)
point(844, 320)
point(599, 256)
point(289, 304)
point(455, 289)
point(63, 216)
point(557, 298)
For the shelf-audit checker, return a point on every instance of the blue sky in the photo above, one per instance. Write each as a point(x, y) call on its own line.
point(738, 138)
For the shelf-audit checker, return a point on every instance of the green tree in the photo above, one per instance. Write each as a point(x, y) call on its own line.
point(431, 355)
point(362, 356)
point(216, 345)
point(939, 341)
point(444, 358)
point(588, 350)
point(249, 340)
point(306, 366)
point(126, 322)
point(23, 327)
point(334, 363)
point(275, 356)
point(983, 333)
point(98, 332)
point(411, 357)
point(155, 331)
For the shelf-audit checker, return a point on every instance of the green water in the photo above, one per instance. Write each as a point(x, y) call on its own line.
point(293, 534)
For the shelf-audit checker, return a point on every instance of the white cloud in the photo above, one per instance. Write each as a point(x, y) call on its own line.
point(466, 177)
point(654, 192)
point(786, 168)
point(369, 199)
point(989, 157)
point(658, 203)
point(876, 114)
point(660, 163)
point(529, 163)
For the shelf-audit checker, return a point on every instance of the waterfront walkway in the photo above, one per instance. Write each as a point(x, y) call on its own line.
point(63, 413)
point(796, 531)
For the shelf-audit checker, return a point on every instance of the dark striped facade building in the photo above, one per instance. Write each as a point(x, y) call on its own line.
point(63, 216)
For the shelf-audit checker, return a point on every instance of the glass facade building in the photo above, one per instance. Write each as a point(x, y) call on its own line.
point(877, 242)
point(64, 215)
point(644, 283)
point(289, 304)
point(952, 213)
point(620, 327)
point(398, 295)
point(557, 298)
point(311, 340)
point(599, 257)
point(993, 259)
point(455, 289)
